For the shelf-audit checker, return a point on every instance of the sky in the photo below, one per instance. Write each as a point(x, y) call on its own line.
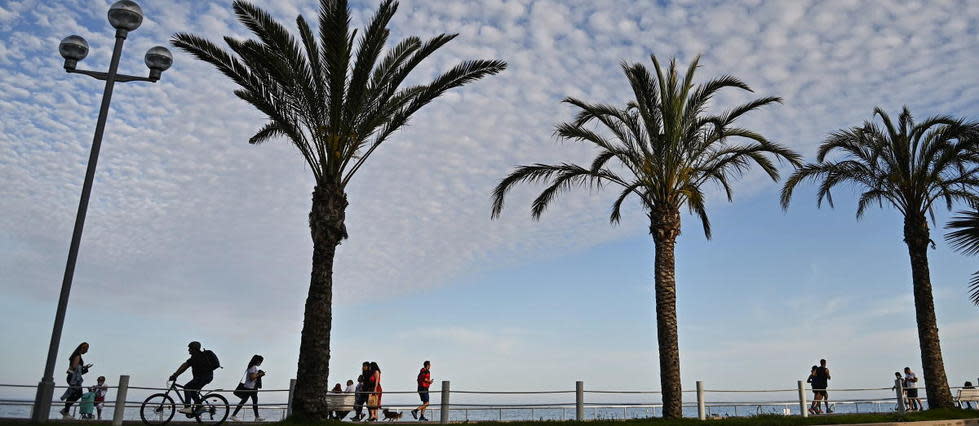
point(193, 234)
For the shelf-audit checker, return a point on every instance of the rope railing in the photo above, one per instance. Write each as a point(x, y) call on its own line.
point(490, 402)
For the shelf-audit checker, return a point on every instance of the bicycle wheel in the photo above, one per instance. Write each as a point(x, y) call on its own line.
point(158, 409)
point(214, 409)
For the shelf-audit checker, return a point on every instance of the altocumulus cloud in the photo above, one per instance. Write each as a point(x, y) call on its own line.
point(182, 203)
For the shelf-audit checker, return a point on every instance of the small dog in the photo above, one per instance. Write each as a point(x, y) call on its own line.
point(391, 415)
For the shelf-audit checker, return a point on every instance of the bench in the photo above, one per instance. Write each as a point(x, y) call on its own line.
point(967, 395)
point(340, 401)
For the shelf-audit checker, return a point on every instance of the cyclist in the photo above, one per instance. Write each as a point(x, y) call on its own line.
point(202, 365)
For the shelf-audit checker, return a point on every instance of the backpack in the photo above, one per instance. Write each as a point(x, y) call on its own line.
point(212, 360)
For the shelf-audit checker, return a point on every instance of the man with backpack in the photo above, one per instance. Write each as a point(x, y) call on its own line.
point(202, 365)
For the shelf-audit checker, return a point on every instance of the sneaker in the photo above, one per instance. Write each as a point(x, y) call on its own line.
point(422, 419)
point(234, 419)
point(414, 413)
point(186, 410)
point(260, 419)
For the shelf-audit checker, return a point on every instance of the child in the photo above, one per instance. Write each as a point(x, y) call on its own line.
point(100, 390)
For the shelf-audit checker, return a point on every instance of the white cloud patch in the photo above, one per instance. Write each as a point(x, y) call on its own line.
point(182, 205)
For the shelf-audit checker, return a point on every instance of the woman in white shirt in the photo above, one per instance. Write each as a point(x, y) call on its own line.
point(248, 388)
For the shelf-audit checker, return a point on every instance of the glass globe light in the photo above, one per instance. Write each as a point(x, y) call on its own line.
point(158, 59)
point(125, 15)
point(73, 48)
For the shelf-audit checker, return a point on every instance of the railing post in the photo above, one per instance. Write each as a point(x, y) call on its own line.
point(802, 399)
point(579, 401)
point(292, 391)
point(444, 411)
point(899, 389)
point(119, 411)
point(701, 412)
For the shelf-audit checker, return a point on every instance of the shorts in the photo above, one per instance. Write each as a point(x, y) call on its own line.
point(423, 394)
point(912, 393)
point(821, 392)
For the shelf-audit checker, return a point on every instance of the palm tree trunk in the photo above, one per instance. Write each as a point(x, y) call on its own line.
point(327, 229)
point(916, 235)
point(665, 227)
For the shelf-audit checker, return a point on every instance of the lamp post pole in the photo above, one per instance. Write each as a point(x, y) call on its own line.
point(125, 16)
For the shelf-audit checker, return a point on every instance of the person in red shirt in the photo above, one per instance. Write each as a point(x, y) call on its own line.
point(424, 381)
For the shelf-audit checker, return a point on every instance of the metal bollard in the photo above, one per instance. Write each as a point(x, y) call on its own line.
point(579, 401)
point(701, 412)
point(444, 411)
point(899, 388)
point(119, 411)
point(802, 399)
point(292, 391)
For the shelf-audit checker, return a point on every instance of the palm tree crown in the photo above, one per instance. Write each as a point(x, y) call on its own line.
point(965, 239)
point(334, 99)
point(661, 147)
point(909, 166)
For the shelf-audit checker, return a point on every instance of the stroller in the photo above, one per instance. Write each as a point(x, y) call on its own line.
point(86, 406)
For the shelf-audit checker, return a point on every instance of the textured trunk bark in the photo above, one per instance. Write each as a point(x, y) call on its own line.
point(665, 227)
point(327, 229)
point(916, 235)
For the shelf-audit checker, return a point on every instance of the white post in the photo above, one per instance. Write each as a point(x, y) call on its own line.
point(119, 411)
point(701, 412)
point(899, 390)
point(292, 391)
point(579, 401)
point(802, 399)
point(444, 412)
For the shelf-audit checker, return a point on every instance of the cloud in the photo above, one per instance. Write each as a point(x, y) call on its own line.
point(182, 205)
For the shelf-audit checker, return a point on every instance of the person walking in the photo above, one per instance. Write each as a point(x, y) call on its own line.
point(424, 381)
point(202, 365)
point(821, 382)
point(374, 399)
point(904, 388)
point(100, 391)
point(911, 389)
point(360, 398)
point(248, 387)
point(76, 369)
point(814, 406)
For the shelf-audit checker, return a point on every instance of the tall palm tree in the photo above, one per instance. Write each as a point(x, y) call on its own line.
point(663, 148)
point(908, 166)
point(965, 239)
point(336, 97)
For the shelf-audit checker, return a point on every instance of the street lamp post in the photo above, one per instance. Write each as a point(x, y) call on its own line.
point(125, 16)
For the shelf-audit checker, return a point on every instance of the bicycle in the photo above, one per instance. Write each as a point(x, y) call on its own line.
point(159, 408)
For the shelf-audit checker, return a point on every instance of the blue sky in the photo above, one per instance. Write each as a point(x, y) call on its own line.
point(194, 234)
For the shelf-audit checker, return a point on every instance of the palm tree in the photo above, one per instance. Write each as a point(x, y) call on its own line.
point(909, 166)
point(662, 148)
point(336, 97)
point(965, 239)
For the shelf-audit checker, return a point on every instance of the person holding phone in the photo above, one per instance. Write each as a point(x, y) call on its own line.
point(248, 388)
point(76, 368)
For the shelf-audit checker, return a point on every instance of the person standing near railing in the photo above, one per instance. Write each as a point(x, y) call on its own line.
point(424, 381)
point(822, 382)
point(202, 365)
point(374, 399)
point(248, 387)
point(100, 390)
point(911, 388)
point(76, 368)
